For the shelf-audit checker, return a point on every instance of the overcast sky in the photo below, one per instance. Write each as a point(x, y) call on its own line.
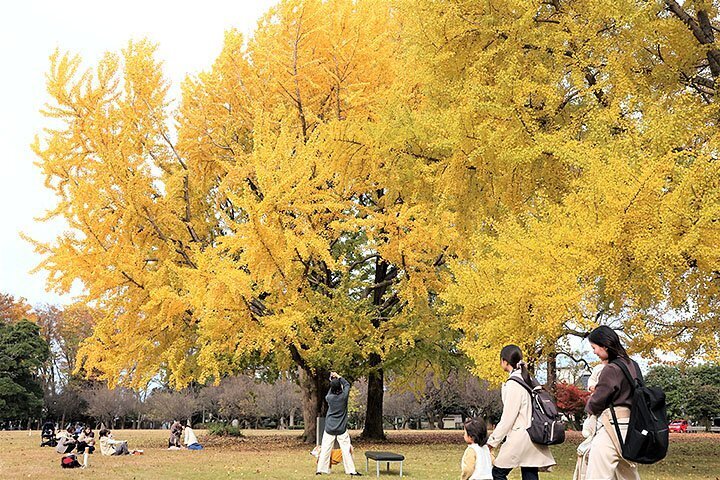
point(189, 35)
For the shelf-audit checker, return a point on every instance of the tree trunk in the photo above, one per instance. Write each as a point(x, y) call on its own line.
point(314, 385)
point(552, 372)
point(373, 429)
point(374, 413)
point(431, 420)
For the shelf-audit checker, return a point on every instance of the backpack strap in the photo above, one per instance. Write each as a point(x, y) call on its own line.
point(632, 381)
point(617, 427)
point(525, 385)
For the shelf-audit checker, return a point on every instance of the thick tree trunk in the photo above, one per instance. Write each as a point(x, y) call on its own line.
point(314, 385)
point(373, 429)
point(374, 413)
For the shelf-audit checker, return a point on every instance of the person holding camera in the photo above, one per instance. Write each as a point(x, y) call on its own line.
point(336, 427)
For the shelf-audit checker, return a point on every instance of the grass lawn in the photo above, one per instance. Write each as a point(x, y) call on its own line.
point(432, 455)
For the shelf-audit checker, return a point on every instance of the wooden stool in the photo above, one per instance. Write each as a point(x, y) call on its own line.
point(383, 457)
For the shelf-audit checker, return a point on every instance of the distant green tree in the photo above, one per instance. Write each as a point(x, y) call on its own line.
point(703, 403)
point(22, 353)
point(692, 392)
point(706, 374)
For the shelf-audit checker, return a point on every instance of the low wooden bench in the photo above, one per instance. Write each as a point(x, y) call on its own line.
point(380, 457)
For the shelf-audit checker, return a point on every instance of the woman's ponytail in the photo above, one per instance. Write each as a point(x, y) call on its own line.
point(525, 373)
point(513, 355)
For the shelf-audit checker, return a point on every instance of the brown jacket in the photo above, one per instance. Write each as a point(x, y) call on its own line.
point(518, 450)
point(613, 387)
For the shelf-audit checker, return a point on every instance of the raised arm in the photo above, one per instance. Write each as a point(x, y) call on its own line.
point(346, 387)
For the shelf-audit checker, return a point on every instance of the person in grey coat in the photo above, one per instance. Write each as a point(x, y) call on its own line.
point(336, 427)
point(66, 441)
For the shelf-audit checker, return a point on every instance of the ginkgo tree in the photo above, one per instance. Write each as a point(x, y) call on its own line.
point(578, 140)
point(273, 224)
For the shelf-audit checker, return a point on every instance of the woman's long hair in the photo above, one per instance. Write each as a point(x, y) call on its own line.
point(513, 355)
point(606, 337)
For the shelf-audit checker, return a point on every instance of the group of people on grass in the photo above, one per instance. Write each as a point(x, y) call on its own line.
point(509, 446)
point(185, 432)
point(82, 440)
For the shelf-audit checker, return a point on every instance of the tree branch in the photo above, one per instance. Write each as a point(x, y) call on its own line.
point(361, 261)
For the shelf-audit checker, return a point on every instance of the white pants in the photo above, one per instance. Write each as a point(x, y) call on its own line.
point(606, 462)
point(328, 440)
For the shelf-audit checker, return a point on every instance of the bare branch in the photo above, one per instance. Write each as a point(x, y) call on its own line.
point(362, 260)
point(575, 359)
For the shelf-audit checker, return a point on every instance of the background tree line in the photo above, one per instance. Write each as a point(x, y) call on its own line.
point(48, 388)
point(38, 382)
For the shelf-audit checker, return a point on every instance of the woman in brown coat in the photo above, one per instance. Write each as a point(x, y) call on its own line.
point(606, 461)
point(518, 450)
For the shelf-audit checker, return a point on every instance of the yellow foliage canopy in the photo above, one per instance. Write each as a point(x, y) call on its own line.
point(562, 155)
point(274, 225)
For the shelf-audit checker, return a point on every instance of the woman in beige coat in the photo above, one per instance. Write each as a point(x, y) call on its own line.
point(518, 450)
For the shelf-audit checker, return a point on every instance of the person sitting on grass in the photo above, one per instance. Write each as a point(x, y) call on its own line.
point(476, 463)
point(109, 446)
point(86, 443)
point(66, 441)
point(175, 433)
point(191, 441)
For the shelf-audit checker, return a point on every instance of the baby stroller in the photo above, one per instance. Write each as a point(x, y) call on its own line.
point(48, 435)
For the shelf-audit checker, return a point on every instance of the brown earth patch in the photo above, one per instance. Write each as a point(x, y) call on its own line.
point(271, 441)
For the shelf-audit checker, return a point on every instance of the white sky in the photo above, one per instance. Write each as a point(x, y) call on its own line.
point(190, 36)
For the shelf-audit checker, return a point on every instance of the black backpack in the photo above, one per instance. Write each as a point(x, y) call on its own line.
point(546, 427)
point(647, 436)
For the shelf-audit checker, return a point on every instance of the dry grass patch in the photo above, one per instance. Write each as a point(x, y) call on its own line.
point(431, 455)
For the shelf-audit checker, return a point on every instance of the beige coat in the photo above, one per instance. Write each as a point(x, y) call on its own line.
point(518, 450)
point(107, 445)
